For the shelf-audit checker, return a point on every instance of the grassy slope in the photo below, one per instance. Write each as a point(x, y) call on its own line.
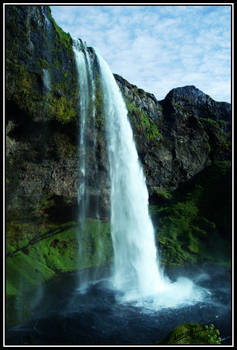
point(195, 225)
point(56, 251)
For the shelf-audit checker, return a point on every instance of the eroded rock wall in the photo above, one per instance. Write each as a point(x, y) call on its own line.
point(179, 136)
point(176, 138)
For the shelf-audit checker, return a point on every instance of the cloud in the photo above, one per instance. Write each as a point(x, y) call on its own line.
point(158, 47)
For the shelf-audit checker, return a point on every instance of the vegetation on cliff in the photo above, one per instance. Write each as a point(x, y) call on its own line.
point(142, 124)
point(189, 221)
point(39, 47)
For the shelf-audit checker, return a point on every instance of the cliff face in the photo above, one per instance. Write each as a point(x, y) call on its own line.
point(176, 137)
point(42, 117)
point(34, 107)
point(179, 136)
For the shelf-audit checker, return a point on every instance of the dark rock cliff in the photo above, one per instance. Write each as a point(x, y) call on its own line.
point(179, 136)
point(176, 138)
point(43, 119)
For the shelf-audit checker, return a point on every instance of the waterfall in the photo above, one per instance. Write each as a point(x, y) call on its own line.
point(137, 274)
point(83, 109)
point(136, 265)
point(46, 80)
point(82, 198)
point(87, 113)
point(87, 196)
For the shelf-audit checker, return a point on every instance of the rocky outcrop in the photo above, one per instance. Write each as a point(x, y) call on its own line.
point(145, 101)
point(194, 101)
point(179, 136)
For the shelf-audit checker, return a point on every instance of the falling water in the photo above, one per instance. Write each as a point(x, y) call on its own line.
point(83, 107)
point(46, 80)
point(93, 115)
point(82, 197)
point(87, 120)
point(135, 255)
point(88, 197)
point(137, 274)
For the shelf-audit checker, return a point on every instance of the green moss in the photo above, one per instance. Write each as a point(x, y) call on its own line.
point(64, 38)
point(26, 93)
point(24, 78)
point(192, 333)
point(95, 244)
point(162, 194)
point(219, 135)
point(63, 146)
point(142, 123)
point(60, 108)
point(197, 215)
point(94, 239)
point(54, 249)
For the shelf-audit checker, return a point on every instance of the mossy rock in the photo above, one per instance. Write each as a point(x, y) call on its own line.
point(35, 44)
point(56, 249)
point(143, 124)
point(189, 223)
point(192, 333)
point(53, 249)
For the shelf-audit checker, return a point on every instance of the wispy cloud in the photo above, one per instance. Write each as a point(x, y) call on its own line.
point(158, 47)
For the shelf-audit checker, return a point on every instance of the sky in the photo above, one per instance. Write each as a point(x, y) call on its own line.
point(158, 48)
